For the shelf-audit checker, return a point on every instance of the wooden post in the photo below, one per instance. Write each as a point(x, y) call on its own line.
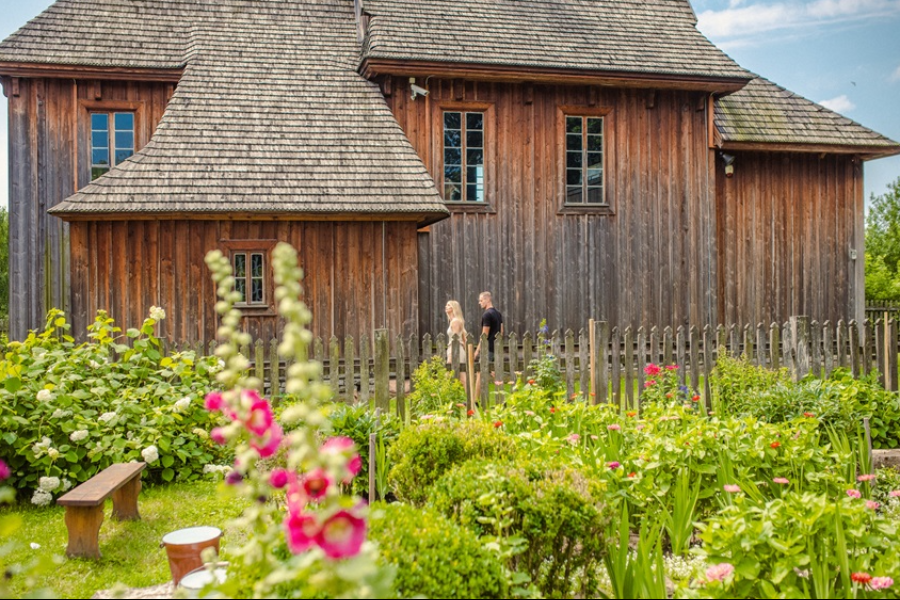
point(616, 363)
point(364, 372)
point(527, 354)
point(800, 346)
point(827, 349)
point(382, 370)
point(880, 362)
point(815, 347)
point(570, 364)
point(853, 331)
point(707, 366)
point(427, 348)
point(334, 367)
point(641, 341)
point(470, 376)
point(681, 354)
point(513, 345)
point(401, 380)
point(760, 345)
point(667, 347)
point(259, 357)
point(695, 358)
point(842, 353)
point(630, 402)
point(274, 370)
point(890, 353)
point(584, 371)
point(484, 372)
point(592, 357)
point(775, 347)
point(602, 364)
point(373, 446)
point(413, 360)
point(350, 370)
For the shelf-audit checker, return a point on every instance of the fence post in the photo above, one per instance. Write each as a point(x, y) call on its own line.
point(800, 346)
point(681, 355)
point(484, 372)
point(585, 372)
point(401, 380)
point(641, 341)
point(853, 330)
point(570, 364)
point(890, 353)
point(707, 366)
point(527, 354)
point(695, 358)
point(592, 345)
point(629, 402)
point(373, 441)
point(775, 347)
point(602, 382)
point(259, 357)
point(350, 369)
point(815, 354)
point(413, 360)
point(616, 360)
point(334, 367)
point(382, 370)
point(364, 374)
point(827, 349)
point(274, 370)
point(470, 375)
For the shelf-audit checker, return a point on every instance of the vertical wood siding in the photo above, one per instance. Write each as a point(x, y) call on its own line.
point(651, 262)
point(359, 276)
point(49, 153)
point(786, 227)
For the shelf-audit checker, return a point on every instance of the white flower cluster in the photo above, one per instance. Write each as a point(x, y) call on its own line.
point(45, 395)
point(41, 498)
point(150, 454)
point(221, 469)
point(59, 414)
point(200, 433)
point(77, 436)
point(682, 568)
point(95, 365)
point(106, 417)
point(48, 484)
point(157, 313)
point(182, 404)
point(41, 447)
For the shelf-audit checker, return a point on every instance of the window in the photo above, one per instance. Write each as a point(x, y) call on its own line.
point(112, 140)
point(584, 160)
point(249, 277)
point(463, 156)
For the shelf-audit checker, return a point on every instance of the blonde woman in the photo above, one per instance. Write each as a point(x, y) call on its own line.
point(457, 327)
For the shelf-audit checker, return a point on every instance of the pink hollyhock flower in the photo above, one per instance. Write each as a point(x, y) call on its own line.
point(342, 535)
point(894, 494)
point(881, 583)
point(214, 401)
point(278, 478)
point(854, 493)
point(613, 427)
point(260, 419)
point(719, 572)
point(781, 480)
point(300, 531)
point(354, 465)
point(218, 436)
point(338, 444)
point(652, 370)
point(4, 471)
point(868, 477)
point(871, 504)
point(234, 478)
point(316, 484)
point(731, 488)
point(268, 445)
point(614, 465)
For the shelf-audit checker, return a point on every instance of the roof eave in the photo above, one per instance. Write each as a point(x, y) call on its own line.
point(863, 151)
point(372, 67)
point(64, 71)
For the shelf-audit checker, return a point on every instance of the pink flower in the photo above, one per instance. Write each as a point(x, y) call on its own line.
point(214, 401)
point(613, 465)
point(869, 477)
point(278, 478)
point(354, 465)
point(671, 367)
point(338, 444)
point(894, 494)
point(268, 445)
point(781, 480)
point(861, 577)
point(4, 471)
point(652, 370)
point(218, 436)
point(871, 504)
point(316, 484)
point(300, 531)
point(234, 478)
point(731, 488)
point(881, 583)
point(613, 427)
point(594, 437)
point(649, 383)
point(530, 413)
point(639, 427)
point(854, 493)
point(342, 535)
point(719, 572)
point(260, 419)
point(574, 438)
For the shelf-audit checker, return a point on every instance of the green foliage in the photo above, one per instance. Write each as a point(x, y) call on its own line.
point(552, 513)
point(68, 411)
point(436, 389)
point(882, 281)
point(735, 382)
point(357, 423)
point(883, 244)
point(798, 546)
point(425, 451)
point(435, 557)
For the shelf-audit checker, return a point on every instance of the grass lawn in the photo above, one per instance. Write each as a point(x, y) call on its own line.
point(131, 550)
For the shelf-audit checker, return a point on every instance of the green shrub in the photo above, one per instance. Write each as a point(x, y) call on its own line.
point(68, 411)
point(554, 511)
point(436, 389)
point(424, 452)
point(734, 382)
point(435, 557)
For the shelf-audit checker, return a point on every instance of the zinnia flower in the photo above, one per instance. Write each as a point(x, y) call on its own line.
point(342, 535)
point(868, 477)
point(498, 424)
point(861, 577)
point(300, 530)
point(649, 383)
point(719, 572)
point(774, 444)
point(278, 478)
point(809, 415)
point(881, 583)
point(574, 438)
point(652, 370)
point(731, 488)
point(696, 397)
point(614, 465)
point(871, 504)
point(854, 493)
point(613, 427)
point(470, 413)
point(150, 454)
point(894, 494)
point(781, 480)
point(631, 413)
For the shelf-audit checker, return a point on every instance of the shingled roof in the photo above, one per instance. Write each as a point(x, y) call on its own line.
point(766, 113)
point(627, 36)
point(270, 115)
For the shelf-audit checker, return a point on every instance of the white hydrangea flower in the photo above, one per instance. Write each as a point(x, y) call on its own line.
point(66, 484)
point(150, 454)
point(44, 395)
point(183, 404)
point(94, 364)
point(59, 414)
point(41, 446)
point(79, 435)
point(48, 484)
point(53, 453)
point(200, 433)
point(41, 498)
point(107, 416)
point(157, 313)
point(35, 546)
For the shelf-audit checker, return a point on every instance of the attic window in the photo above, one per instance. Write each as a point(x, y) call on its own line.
point(112, 140)
point(463, 156)
point(584, 161)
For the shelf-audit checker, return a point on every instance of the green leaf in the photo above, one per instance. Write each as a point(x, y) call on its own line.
point(167, 461)
point(132, 332)
point(10, 438)
point(168, 474)
point(71, 456)
point(12, 384)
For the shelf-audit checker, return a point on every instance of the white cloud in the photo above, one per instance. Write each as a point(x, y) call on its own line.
point(841, 104)
point(895, 76)
point(760, 17)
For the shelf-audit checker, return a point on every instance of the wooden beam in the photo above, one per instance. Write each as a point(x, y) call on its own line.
point(386, 86)
point(33, 70)
point(592, 96)
point(423, 219)
point(865, 152)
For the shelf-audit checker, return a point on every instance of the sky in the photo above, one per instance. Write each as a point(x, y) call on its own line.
point(843, 54)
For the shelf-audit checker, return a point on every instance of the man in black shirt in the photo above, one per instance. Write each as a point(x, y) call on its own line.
point(491, 324)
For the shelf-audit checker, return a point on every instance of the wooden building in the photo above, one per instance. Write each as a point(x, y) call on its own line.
point(568, 156)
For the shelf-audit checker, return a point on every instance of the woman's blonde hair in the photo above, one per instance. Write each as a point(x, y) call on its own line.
point(456, 313)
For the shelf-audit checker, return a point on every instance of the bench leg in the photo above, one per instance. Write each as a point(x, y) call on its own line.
point(83, 523)
point(125, 501)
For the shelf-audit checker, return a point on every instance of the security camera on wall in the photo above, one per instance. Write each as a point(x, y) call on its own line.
point(416, 90)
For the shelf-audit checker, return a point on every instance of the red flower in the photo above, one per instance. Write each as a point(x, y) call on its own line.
point(470, 413)
point(631, 413)
point(809, 415)
point(498, 424)
point(861, 577)
point(649, 383)
point(300, 531)
point(574, 396)
point(652, 370)
point(695, 398)
point(774, 444)
point(531, 382)
point(632, 474)
point(316, 483)
point(552, 409)
point(668, 394)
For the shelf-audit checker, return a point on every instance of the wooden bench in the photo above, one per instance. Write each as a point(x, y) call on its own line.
point(84, 506)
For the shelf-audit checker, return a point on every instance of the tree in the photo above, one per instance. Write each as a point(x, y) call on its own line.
point(883, 245)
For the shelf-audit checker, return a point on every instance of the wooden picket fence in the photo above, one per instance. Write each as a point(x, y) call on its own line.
point(606, 362)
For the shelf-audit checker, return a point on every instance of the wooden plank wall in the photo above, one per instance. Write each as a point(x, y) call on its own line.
point(786, 226)
point(49, 154)
point(652, 262)
point(360, 276)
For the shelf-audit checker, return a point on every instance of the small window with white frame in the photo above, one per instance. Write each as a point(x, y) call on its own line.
point(112, 140)
point(584, 161)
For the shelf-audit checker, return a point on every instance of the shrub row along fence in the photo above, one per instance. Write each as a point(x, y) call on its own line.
point(606, 362)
